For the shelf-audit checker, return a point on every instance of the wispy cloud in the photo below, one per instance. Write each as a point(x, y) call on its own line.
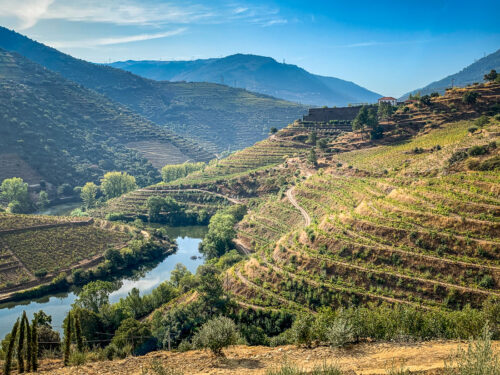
point(136, 12)
point(28, 12)
point(114, 40)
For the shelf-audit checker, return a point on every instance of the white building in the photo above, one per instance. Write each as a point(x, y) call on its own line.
point(388, 99)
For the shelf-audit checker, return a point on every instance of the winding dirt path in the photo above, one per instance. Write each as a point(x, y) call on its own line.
point(293, 201)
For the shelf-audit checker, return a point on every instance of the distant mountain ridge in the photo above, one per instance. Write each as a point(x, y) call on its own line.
point(258, 74)
point(217, 116)
point(470, 74)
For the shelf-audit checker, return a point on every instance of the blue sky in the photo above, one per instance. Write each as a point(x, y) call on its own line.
point(390, 47)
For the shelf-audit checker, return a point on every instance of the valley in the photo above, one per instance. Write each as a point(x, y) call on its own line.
point(160, 227)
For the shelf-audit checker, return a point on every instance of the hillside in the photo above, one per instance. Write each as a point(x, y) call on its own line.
point(411, 223)
point(218, 116)
point(55, 130)
point(467, 76)
point(256, 73)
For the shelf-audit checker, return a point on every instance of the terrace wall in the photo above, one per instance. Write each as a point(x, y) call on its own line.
point(327, 114)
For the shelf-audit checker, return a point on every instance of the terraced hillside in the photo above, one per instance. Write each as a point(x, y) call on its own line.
point(68, 134)
point(413, 222)
point(253, 172)
point(35, 249)
point(218, 116)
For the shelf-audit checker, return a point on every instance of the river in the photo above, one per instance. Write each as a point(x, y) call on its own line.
point(58, 305)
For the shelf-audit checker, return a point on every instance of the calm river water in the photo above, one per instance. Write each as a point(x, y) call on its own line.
point(57, 305)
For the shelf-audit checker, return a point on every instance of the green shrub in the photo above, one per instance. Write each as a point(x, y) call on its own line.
point(216, 334)
point(301, 330)
point(77, 358)
point(42, 272)
point(478, 359)
point(157, 368)
point(340, 333)
point(478, 150)
point(470, 97)
point(481, 121)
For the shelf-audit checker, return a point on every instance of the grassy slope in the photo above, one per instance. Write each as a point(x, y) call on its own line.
point(219, 116)
point(70, 134)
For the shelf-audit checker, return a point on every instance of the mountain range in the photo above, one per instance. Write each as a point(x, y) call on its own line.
point(473, 73)
point(258, 74)
point(216, 116)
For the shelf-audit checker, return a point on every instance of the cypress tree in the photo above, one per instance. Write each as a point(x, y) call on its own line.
point(28, 345)
point(20, 345)
point(78, 333)
point(34, 346)
point(10, 350)
point(67, 339)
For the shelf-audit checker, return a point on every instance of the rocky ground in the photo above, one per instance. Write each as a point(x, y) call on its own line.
point(367, 358)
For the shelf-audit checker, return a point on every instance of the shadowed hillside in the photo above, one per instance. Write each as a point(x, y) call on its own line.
point(219, 116)
point(58, 131)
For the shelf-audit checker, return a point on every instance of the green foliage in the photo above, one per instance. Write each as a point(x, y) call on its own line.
point(366, 118)
point(34, 345)
point(425, 100)
point(385, 110)
point(68, 329)
point(216, 334)
point(312, 157)
point(29, 344)
point(302, 331)
point(114, 184)
point(173, 172)
point(340, 333)
point(478, 359)
point(157, 368)
point(470, 97)
point(14, 191)
point(94, 295)
point(78, 333)
point(481, 121)
point(21, 343)
point(89, 194)
point(491, 76)
point(221, 232)
point(10, 351)
point(273, 130)
point(43, 200)
point(134, 333)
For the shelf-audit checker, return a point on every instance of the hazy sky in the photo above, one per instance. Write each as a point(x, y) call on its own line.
point(390, 47)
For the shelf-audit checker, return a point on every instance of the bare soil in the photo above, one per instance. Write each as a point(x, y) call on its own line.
point(365, 358)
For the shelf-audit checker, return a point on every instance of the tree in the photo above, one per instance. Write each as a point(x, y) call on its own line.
point(217, 334)
point(384, 110)
point(89, 194)
point(322, 143)
point(114, 184)
point(312, 138)
point(78, 333)
point(491, 76)
point(43, 200)
point(219, 237)
point(366, 118)
point(312, 157)
point(135, 333)
point(10, 350)
point(470, 97)
point(29, 344)
point(42, 319)
point(210, 288)
point(15, 191)
point(20, 344)
point(34, 345)
point(94, 295)
point(154, 204)
point(425, 100)
point(302, 330)
point(179, 272)
point(273, 130)
point(67, 338)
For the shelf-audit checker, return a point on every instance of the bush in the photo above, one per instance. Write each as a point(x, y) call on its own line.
point(77, 358)
point(340, 333)
point(42, 272)
point(481, 121)
point(157, 368)
point(301, 330)
point(216, 334)
point(478, 150)
point(470, 97)
point(472, 129)
point(478, 359)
